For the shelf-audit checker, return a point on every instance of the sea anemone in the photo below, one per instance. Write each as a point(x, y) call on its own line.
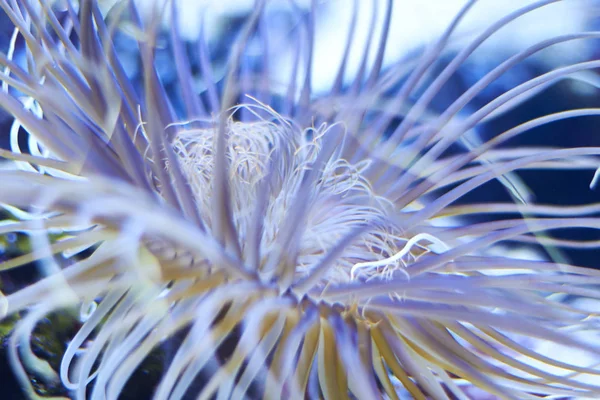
point(270, 241)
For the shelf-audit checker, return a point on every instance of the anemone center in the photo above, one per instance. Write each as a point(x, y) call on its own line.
point(276, 152)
